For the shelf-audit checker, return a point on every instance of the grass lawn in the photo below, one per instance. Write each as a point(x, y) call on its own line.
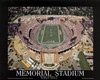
point(49, 65)
point(83, 61)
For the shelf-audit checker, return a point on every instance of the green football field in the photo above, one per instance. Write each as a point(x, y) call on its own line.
point(50, 34)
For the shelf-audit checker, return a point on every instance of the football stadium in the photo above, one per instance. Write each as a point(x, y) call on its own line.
point(51, 35)
point(49, 42)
